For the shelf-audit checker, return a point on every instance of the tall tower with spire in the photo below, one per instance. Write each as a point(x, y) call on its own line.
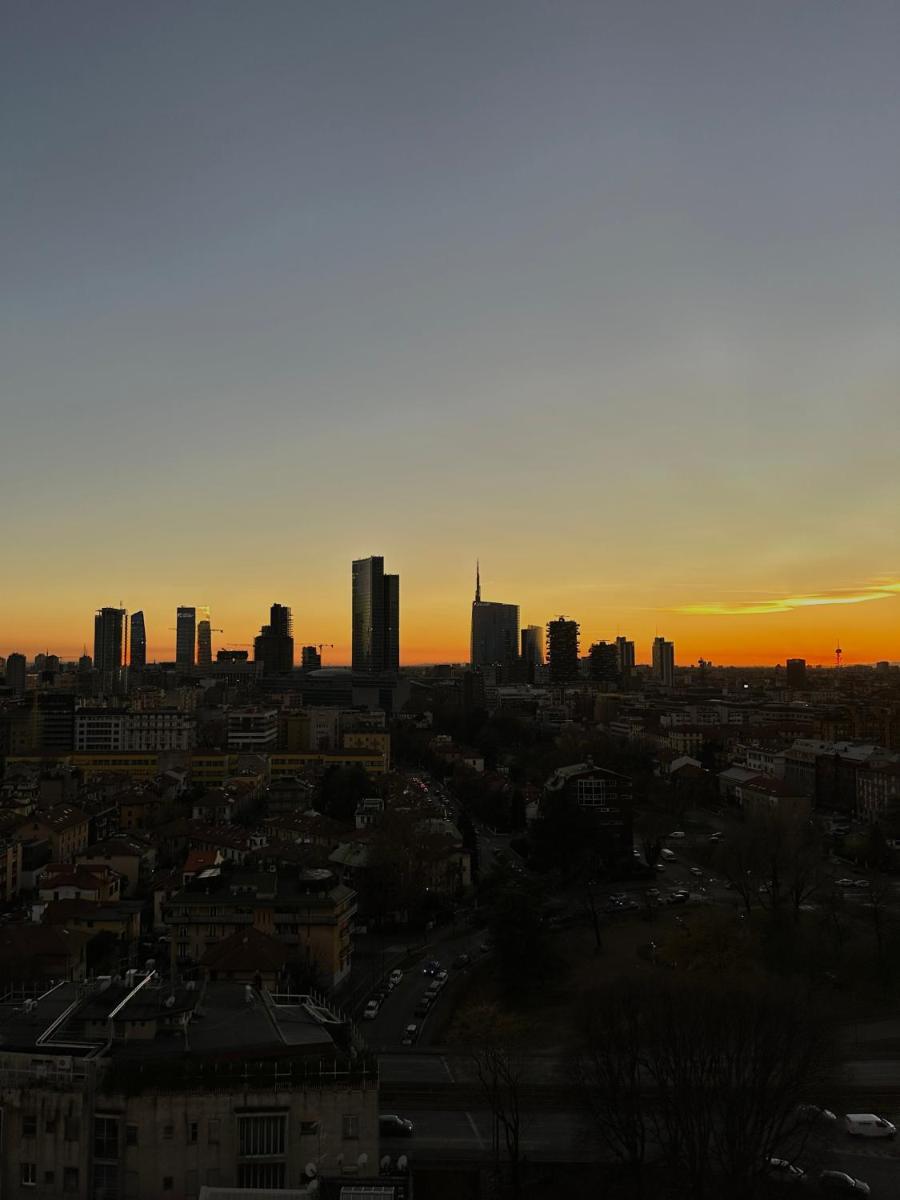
point(495, 630)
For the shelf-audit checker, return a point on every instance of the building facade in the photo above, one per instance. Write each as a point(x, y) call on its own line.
point(185, 637)
point(375, 617)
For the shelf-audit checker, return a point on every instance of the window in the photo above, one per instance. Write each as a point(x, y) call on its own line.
point(168, 1132)
point(29, 1125)
point(28, 1175)
point(48, 1177)
point(106, 1137)
point(261, 1175)
point(70, 1179)
point(350, 1128)
point(168, 1184)
point(309, 1127)
point(212, 1132)
point(72, 1130)
point(192, 1133)
point(106, 1181)
point(261, 1135)
point(50, 1125)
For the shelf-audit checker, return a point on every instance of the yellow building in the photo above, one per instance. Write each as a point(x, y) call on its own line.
point(375, 741)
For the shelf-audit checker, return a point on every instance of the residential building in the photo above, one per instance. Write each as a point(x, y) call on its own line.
point(64, 827)
point(310, 658)
point(664, 661)
point(603, 663)
point(375, 617)
point(138, 648)
point(185, 637)
point(204, 638)
point(625, 652)
point(147, 1088)
point(10, 868)
point(252, 729)
point(562, 650)
point(605, 795)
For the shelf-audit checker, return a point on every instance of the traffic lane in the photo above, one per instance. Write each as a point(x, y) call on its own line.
point(548, 1134)
point(880, 1172)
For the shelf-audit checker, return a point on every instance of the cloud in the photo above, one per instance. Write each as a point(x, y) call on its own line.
point(785, 604)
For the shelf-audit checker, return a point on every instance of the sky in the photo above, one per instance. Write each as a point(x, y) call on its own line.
point(603, 293)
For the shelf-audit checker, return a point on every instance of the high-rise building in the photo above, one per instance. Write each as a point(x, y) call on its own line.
point(495, 631)
point(664, 661)
point(795, 674)
point(533, 646)
point(138, 641)
point(562, 650)
point(185, 637)
point(204, 638)
point(310, 658)
point(274, 644)
point(16, 672)
point(603, 662)
point(376, 617)
point(109, 631)
point(625, 653)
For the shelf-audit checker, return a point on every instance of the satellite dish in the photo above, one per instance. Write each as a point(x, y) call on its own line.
point(402, 1163)
point(385, 1163)
point(362, 1160)
point(310, 1170)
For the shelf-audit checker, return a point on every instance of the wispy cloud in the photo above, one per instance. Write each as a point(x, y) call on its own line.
point(785, 604)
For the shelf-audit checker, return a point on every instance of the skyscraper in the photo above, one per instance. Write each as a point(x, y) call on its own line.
point(376, 617)
point(495, 630)
point(185, 637)
point(274, 644)
point(204, 637)
point(795, 673)
point(138, 641)
point(603, 662)
point(625, 652)
point(664, 661)
point(562, 650)
point(16, 671)
point(310, 658)
point(109, 630)
point(533, 646)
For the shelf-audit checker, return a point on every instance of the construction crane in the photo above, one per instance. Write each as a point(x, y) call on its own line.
point(320, 646)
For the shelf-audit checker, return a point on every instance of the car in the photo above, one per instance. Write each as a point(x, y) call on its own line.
point(462, 960)
point(410, 1033)
point(714, 837)
point(839, 1183)
point(660, 866)
point(654, 891)
point(862, 883)
point(869, 1125)
point(782, 1171)
point(431, 968)
point(844, 883)
point(678, 833)
point(395, 977)
point(696, 871)
point(486, 947)
point(813, 1113)
point(370, 1012)
point(392, 1125)
point(442, 975)
point(421, 1009)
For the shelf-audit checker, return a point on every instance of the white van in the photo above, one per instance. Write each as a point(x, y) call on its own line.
point(668, 855)
point(868, 1125)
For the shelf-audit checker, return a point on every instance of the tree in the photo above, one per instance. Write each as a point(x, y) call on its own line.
point(341, 790)
point(521, 949)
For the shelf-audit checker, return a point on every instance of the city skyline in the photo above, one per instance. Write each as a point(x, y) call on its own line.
point(620, 320)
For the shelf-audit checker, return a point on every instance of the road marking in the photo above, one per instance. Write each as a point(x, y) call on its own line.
point(471, 1121)
point(446, 1067)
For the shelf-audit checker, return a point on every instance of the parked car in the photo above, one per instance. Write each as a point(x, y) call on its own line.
point(844, 883)
point(839, 1183)
point(462, 960)
point(431, 968)
point(696, 871)
point(442, 975)
point(714, 837)
point(392, 1125)
point(679, 833)
point(782, 1171)
point(410, 1033)
point(395, 977)
point(862, 883)
point(421, 1009)
point(869, 1125)
point(370, 1012)
point(679, 897)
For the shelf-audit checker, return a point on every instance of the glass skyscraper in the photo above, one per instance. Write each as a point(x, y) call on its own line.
point(138, 650)
point(185, 638)
point(376, 617)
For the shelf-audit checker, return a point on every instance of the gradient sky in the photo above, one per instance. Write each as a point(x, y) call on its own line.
point(605, 293)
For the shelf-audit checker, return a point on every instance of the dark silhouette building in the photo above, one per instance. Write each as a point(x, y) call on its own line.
point(562, 650)
point(625, 652)
point(185, 638)
point(603, 662)
point(109, 630)
point(16, 672)
point(204, 639)
point(274, 645)
point(376, 617)
point(310, 658)
point(495, 631)
point(664, 661)
point(795, 674)
point(138, 648)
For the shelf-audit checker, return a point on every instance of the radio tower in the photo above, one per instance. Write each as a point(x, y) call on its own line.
point(837, 656)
